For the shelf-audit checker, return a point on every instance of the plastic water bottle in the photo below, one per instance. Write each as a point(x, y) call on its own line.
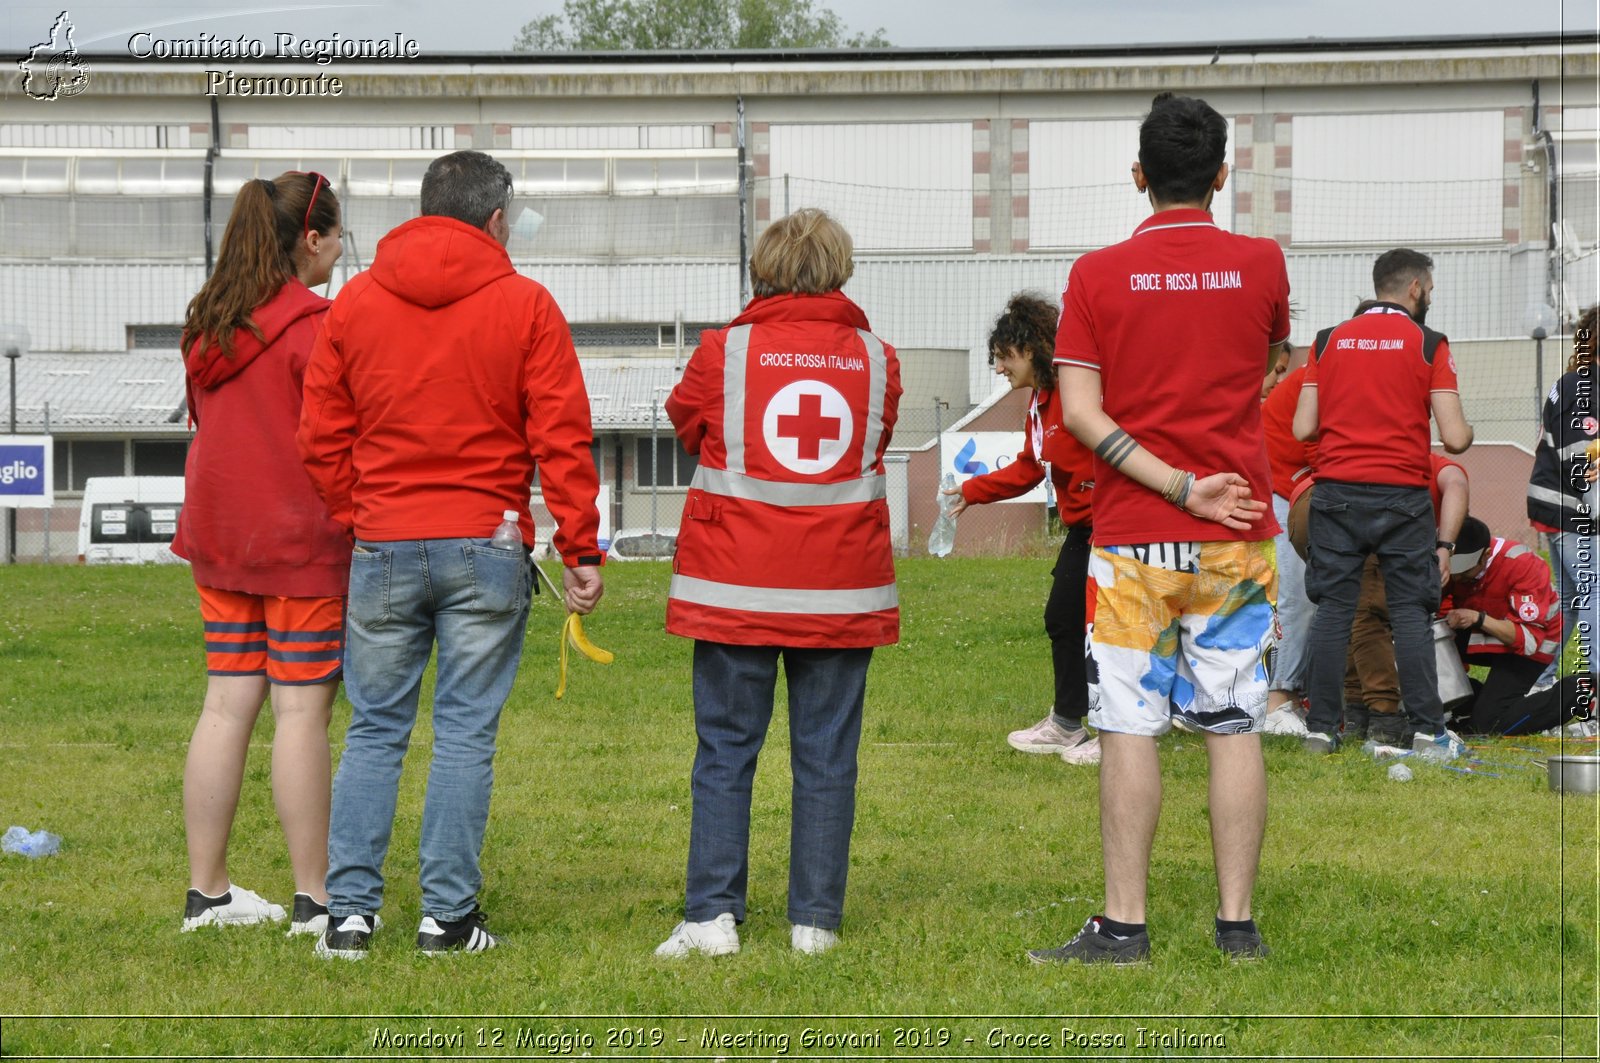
point(38, 843)
point(1399, 773)
point(508, 536)
point(943, 537)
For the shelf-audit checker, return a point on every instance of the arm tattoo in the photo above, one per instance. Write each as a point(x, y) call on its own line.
point(1115, 448)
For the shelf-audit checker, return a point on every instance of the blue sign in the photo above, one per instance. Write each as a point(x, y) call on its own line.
point(25, 473)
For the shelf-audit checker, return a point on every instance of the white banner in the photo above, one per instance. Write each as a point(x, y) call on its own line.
point(26, 472)
point(969, 454)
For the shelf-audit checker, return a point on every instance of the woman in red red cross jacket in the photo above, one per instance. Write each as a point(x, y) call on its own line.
point(1022, 349)
point(783, 553)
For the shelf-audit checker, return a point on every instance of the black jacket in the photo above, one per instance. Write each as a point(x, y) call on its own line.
point(1557, 491)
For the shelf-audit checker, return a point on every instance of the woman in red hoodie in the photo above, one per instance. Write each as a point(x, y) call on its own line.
point(271, 566)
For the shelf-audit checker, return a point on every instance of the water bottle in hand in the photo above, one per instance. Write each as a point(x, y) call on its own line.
point(943, 537)
point(508, 536)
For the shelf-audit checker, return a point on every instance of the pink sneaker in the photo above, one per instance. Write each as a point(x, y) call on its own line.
point(1046, 736)
point(1083, 753)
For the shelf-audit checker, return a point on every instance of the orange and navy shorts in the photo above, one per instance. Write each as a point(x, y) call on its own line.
point(291, 641)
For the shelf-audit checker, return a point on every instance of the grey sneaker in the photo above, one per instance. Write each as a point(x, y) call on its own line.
point(1320, 742)
point(1091, 946)
point(1242, 944)
point(1356, 719)
point(1046, 736)
point(1386, 728)
point(1441, 748)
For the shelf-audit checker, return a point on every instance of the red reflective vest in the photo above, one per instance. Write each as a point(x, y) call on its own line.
point(784, 539)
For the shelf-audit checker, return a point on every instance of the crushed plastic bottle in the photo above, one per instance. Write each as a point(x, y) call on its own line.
point(508, 536)
point(943, 537)
point(21, 841)
point(1399, 773)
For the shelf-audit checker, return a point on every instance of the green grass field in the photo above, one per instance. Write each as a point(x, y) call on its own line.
point(1451, 917)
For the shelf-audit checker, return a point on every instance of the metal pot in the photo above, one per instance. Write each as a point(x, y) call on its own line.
point(1574, 775)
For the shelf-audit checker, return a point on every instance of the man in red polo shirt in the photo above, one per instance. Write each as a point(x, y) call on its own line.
point(1371, 385)
point(1163, 342)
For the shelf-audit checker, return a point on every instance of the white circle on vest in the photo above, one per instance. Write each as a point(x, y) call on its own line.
point(807, 426)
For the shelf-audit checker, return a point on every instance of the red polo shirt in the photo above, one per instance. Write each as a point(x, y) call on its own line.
point(1375, 375)
point(1291, 459)
point(1177, 320)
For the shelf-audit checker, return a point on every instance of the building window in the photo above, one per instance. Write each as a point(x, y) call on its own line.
point(154, 337)
point(672, 467)
point(76, 460)
point(1391, 180)
point(159, 457)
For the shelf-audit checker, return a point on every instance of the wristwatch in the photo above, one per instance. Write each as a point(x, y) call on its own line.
point(1444, 544)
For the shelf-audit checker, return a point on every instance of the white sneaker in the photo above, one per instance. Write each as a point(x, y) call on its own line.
point(1441, 748)
point(1285, 721)
point(812, 940)
point(236, 906)
point(1046, 736)
point(719, 937)
point(1084, 753)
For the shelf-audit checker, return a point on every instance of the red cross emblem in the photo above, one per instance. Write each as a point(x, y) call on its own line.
point(809, 427)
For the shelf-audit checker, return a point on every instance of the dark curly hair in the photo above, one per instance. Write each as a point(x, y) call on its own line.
point(1028, 324)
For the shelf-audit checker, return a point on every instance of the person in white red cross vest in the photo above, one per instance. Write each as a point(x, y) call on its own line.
point(1508, 617)
point(783, 552)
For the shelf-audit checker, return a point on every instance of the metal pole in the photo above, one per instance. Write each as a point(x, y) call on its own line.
point(49, 514)
point(744, 215)
point(12, 354)
point(1538, 375)
point(655, 470)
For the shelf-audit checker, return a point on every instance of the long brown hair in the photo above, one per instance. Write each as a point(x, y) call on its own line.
point(257, 254)
point(1583, 339)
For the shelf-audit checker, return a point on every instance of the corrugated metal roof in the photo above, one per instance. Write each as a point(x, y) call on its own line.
point(134, 392)
point(139, 392)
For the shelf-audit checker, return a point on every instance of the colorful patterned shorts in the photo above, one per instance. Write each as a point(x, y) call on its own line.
point(1183, 629)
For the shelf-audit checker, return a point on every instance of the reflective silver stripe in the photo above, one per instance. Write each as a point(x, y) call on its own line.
point(734, 353)
point(1530, 645)
point(1548, 647)
point(1516, 551)
point(1555, 498)
point(742, 485)
point(877, 384)
point(783, 599)
point(1571, 450)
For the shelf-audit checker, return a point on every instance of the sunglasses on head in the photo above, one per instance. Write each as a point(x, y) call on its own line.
point(317, 183)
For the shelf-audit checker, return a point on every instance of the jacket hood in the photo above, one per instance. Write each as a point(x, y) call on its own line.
point(434, 261)
point(205, 363)
point(834, 307)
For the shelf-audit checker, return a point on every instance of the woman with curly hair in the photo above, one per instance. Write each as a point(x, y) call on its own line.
point(1022, 349)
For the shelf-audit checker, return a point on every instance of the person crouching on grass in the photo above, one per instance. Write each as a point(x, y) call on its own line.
point(1163, 344)
point(784, 552)
point(270, 563)
point(1021, 349)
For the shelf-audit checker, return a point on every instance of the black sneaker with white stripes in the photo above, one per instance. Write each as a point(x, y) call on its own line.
point(466, 934)
point(347, 937)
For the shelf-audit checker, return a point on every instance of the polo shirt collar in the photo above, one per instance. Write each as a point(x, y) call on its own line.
point(1387, 308)
point(1182, 217)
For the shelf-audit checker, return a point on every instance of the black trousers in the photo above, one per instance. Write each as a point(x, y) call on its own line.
point(1501, 704)
point(1064, 622)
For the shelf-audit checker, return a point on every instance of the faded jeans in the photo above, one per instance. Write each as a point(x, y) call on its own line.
point(472, 598)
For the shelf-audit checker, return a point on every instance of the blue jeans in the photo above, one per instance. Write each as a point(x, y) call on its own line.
point(1347, 522)
point(1295, 611)
point(473, 599)
point(733, 690)
point(1573, 558)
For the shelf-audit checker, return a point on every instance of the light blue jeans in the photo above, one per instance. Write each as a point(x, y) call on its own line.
point(1573, 558)
point(1295, 610)
point(473, 599)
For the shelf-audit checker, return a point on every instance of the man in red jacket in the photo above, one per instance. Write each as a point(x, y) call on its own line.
point(440, 380)
point(1507, 615)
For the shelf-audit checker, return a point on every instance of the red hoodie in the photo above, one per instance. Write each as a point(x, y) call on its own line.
point(251, 519)
point(441, 378)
